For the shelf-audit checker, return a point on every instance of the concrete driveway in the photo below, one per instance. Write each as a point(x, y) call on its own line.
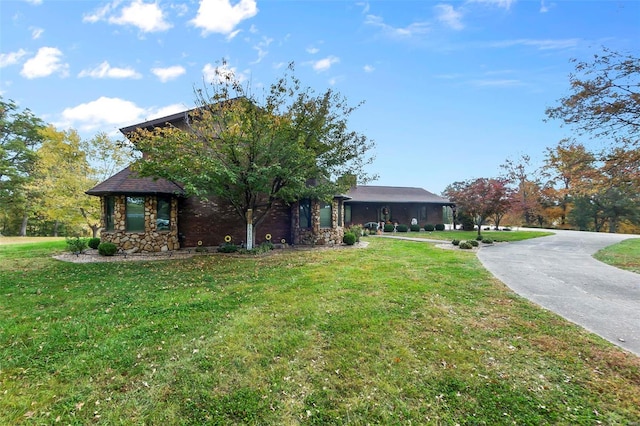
point(558, 273)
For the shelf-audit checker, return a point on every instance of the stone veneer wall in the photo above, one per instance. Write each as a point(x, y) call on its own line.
point(317, 235)
point(151, 240)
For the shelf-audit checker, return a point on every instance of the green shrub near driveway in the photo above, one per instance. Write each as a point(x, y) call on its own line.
point(429, 227)
point(439, 227)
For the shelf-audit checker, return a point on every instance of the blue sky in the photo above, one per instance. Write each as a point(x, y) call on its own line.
point(451, 89)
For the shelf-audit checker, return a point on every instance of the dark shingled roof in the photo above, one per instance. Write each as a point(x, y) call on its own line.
point(127, 181)
point(393, 194)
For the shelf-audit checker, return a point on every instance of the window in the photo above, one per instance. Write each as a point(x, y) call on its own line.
point(109, 209)
point(163, 214)
point(325, 215)
point(135, 214)
point(347, 213)
point(305, 213)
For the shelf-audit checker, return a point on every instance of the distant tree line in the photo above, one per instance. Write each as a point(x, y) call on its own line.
point(44, 173)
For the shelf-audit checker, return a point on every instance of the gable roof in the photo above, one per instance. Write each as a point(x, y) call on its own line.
point(126, 181)
point(393, 194)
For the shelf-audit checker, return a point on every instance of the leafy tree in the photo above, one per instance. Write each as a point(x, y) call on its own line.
point(252, 152)
point(527, 194)
point(19, 139)
point(570, 169)
point(480, 198)
point(61, 177)
point(605, 98)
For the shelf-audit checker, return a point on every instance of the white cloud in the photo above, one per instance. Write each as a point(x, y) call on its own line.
point(99, 15)
point(496, 83)
point(108, 114)
point(148, 17)
point(325, 63)
point(36, 32)
point(168, 73)
point(103, 112)
point(540, 44)
point(46, 62)
point(104, 70)
point(219, 16)
point(505, 4)
point(448, 15)
point(261, 48)
point(368, 68)
point(222, 73)
point(35, 2)
point(411, 30)
point(11, 58)
point(312, 50)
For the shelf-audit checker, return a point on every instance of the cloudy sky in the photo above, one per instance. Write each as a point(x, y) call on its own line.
point(451, 89)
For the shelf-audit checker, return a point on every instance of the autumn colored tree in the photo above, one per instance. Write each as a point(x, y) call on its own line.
point(520, 175)
point(605, 98)
point(252, 152)
point(570, 169)
point(481, 198)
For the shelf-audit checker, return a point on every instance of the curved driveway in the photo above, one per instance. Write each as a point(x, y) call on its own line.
point(559, 273)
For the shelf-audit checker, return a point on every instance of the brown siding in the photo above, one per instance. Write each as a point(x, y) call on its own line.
point(210, 221)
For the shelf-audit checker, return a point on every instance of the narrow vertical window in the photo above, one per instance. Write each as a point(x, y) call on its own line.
point(135, 214)
point(347, 213)
point(163, 214)
point(325, 215)
point(305, 213)
point(109, 211)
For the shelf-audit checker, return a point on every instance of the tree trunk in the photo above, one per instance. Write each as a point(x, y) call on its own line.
point(23, 225)
point(55, 228)
point(94, 230)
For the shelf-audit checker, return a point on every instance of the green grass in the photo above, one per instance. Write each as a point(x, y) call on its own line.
point(396, 333)
point(624, 255)
point(471, 235)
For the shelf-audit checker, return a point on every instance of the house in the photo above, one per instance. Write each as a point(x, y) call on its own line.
point(393, 204)
point(152, 215)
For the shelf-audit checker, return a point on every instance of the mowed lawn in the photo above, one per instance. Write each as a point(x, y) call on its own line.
point(399, 332)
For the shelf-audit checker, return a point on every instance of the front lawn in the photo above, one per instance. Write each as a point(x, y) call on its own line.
point(624, 255)
point(399, 332)
point(471, 235)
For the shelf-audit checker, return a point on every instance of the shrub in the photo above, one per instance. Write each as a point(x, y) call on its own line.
point(358, 231)
point(474, 243)
point(479, 238)
point(349, 238)
point(439, 226)
point(76, 245)
point(455, 242)
point(228, 248)
point(107, 249)
point(466, 245)
point(93, 243)
point(487, 241)
point(388, 227)
point(429, 227)
point(402, 228)
point(415, 228)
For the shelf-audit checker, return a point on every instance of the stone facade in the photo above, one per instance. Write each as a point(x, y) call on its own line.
point(197, 222)
point(316, 235)
point(151, 240)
